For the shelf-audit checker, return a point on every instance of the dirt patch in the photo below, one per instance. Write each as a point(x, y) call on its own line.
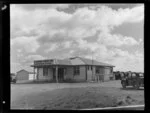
point(126, 101)
point(79, 98)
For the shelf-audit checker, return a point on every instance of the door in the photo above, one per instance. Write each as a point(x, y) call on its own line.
point(60, 74)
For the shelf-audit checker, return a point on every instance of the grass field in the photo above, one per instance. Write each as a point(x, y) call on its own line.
point(73, 95)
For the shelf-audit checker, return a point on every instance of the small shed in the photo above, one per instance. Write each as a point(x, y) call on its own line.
point(25, 75)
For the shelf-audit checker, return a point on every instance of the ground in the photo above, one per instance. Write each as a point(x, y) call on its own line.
point(73, 95)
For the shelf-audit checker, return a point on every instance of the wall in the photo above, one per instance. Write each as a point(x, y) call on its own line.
point(82, 75)
point(69, 73)
point(99, 75)
point(89, 73)
point(104, 73)
point(22, 75)
point(31, 76)
point(107, 73)
point(41, 77)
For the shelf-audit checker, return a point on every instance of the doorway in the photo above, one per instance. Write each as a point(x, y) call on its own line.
point(60, 74)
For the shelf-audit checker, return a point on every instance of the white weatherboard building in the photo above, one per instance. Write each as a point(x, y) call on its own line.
point(25, 75)
point(76, 68)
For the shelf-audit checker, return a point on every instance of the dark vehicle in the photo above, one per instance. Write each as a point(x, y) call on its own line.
point(133, 79)
point(13, 78)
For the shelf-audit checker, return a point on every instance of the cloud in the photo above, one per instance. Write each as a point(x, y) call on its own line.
point(29, 59)
point(85, 22)
point(117, 17)
point(22, 24)
point(136, 14)
point(29, 44)
point(123, 60)
point(52, 47)
point(82, 23)
point(129, 64)
point(129, 61)
point(49, 30)
point(44, 6)
point(35, 57)
point(83, 44)
point(15, 67)
point(116, 40)
point(67, 44)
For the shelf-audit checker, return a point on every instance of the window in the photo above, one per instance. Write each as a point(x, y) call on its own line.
point(65, 71)
point(76, 70)
point(91, 67)
point(45, 71)
point(97, 70)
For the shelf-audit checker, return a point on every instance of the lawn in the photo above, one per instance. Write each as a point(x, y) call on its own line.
point(73, 96)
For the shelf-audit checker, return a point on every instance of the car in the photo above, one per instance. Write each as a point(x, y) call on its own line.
point(133, 79)
point(13, 78)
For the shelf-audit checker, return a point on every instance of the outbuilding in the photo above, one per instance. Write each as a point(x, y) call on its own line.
point(76, 68)
point(25, 75)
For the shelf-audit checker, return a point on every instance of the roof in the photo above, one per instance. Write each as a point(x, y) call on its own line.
point(22, 70)
point(26, 71)
point(32, 72)
point(64, 62)
point(94, 62)
point(76, 61)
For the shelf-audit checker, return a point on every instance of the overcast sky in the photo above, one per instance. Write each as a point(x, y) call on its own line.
point(112, 32)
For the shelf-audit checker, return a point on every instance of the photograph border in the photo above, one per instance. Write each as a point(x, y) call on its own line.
point(5, 46)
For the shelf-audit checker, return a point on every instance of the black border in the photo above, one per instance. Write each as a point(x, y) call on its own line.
point(5, 67)
point(5, 46)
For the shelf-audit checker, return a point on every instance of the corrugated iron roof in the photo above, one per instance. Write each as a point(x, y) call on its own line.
point(22, 70)
point(26, 71)
point(64, 62)
point(78, 61)
point(94, 62)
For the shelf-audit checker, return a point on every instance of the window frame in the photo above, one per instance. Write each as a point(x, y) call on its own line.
point(77, 70)
point(91, 68)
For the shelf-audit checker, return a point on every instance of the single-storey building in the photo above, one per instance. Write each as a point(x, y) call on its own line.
point(12, 74)
point(25, 75)
point(76, 68)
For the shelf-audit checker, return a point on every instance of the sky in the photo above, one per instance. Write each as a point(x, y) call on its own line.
point(111, 33)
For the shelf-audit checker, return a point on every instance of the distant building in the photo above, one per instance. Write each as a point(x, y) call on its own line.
point(12, 75)
point(25, 75)
point(76, 68)
point(117, 75)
